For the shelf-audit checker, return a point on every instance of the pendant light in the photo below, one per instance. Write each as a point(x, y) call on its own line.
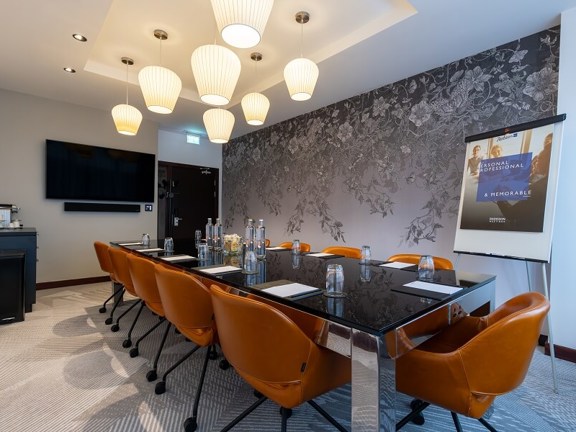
point(216, 70)
point(126, 117)
point(301, 74)
point(255, 105)
point(219, 123)
point(160, 86)
point(241, 23)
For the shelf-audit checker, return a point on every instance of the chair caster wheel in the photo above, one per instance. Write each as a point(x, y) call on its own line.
point(415, 403)
point(213, 355)
point(126, 343)
point(190, 424)
point(115, 328)
point(160, 387)
point(108, 321)
point(224, 364)
point(151, 375)
point(134, 352)
point(419, 420)
point(102, 310)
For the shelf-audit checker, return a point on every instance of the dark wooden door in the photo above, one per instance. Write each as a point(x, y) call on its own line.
point(187, 197)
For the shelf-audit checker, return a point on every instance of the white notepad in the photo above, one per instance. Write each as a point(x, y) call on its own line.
point(320, 254)
point(130, 244)
point(150, 250)
point(223, 269)
point(178, 258)
point(276, 248)
point(428, 286)
point(291, 290)
point(396, 264)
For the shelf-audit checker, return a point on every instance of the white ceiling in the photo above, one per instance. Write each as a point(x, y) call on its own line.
point(359, 45)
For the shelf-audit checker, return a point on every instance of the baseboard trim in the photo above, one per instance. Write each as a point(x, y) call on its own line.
point(71, 282)
point(561, 352)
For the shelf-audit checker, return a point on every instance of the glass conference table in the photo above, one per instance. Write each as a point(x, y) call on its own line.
point(379, 319)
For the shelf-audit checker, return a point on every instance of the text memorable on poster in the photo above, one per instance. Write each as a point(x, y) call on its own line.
point(506, 181)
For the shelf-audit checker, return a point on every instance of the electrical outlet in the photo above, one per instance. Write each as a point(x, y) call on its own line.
point(147, 207)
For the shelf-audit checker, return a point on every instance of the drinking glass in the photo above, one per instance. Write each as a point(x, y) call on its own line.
point(366, 255)
point(296, 246)
point(365, 273)
point(334, 281)
point(202, 251)
point(197, 237)
point(426, 268)
point(145, 240)
point(169, 244)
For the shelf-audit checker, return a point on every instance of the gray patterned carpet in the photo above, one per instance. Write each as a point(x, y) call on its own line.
point(62, 369)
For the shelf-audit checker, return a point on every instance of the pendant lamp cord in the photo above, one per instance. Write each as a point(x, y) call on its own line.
point(301, 38)
point(126, 83)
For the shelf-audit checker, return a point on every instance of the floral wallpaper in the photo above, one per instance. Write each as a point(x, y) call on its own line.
point(395, 151)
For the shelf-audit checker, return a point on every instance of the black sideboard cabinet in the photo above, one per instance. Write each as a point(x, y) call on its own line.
point(18, 240)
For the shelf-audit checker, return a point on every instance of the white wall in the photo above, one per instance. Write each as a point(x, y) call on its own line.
point(65, 239)
point(563, 283)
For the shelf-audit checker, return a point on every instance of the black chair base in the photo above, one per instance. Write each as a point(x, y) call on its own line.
point(416, 416)
point(286, 413)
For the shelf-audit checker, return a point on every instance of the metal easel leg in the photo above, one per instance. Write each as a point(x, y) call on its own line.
point(550, 338)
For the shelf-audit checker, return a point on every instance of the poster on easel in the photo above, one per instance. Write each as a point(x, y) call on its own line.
point(509, 189)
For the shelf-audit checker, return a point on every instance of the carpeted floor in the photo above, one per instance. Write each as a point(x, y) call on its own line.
point(62, 369)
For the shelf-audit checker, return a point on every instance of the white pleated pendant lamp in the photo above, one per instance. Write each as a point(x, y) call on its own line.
point(216, 71)
point(160, 86)
point(127, 118)
point(255, 105)
point(301, 74)
point(241, 23)
point(219, 124)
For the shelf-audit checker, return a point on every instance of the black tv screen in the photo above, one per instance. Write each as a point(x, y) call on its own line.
point(83, 172)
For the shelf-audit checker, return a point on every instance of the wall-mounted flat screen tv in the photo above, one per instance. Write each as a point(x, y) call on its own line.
point(83, 172)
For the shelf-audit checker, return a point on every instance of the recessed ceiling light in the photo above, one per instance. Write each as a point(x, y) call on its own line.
point(79, 37)
point(70, 70)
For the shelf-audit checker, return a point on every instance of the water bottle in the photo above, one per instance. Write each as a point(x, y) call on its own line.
point(250, 263)
point(260, 240)
point(296, 247)
point(217, 239)
point(249, 238)
point(209, 233)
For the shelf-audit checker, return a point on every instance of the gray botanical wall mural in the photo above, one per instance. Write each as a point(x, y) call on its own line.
point(395, 153)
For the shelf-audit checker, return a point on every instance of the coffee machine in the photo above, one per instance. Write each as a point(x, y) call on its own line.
point(7, 216)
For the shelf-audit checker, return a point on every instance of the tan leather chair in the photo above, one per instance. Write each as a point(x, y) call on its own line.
point(350, 252)
point(187, 305)
point(272, 354)
point(439, 262)
point(119, 259)
point(106, 266)
point(304, 247)
point(468, 364)
point(143, 273)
